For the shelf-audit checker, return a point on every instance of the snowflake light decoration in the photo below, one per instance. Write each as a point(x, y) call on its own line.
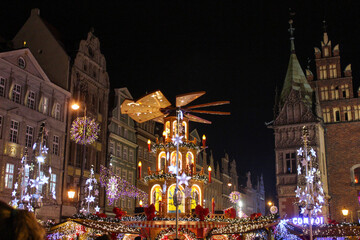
point(177, 139)
point(183, 179)
point(87, 136)
point(235, 196)
point(112, 189)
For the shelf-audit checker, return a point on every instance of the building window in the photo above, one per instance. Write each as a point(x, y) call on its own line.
point(111, 148)
point(326, 115)
point(31, 100)
point(140, 150)
point(57, 111)
point(125, 153)
point(355, 174)
point(29, 136)
point(324, 93)
point(53, 183)
point(118, 150)
point(347, 113)
point(336, 114)
point(21, 62)
point(332, 71)
point(124, 175)
point(290, 159)
point(130, 178)
point(1, 123)
point(56, 145)
point(16, 93)
point(125, 133)
point(14, 128)
point(9, 175)
point(357, 112)
point(131, 155)
point(322, 71)
point(326, 52)
point(2, 87)
point(345, 91)
point(44, 105)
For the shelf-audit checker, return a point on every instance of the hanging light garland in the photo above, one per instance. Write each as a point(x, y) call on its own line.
point(88, 136)
point(169, 231)
point(116, 187)
point(169, 176)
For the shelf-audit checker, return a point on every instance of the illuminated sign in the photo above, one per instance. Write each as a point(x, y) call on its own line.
point(305, 220)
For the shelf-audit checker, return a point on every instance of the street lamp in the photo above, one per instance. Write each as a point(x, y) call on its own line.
point(270, 203)
point(71, 194)
point(229, 184)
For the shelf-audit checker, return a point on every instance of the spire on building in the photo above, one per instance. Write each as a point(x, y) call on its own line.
point(295, 78)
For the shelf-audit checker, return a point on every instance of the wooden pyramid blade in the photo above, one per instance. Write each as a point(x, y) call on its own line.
point(196, 119)
point(143, 117)
point(208, 104)
point(159, 119)
point(131, 107)
point(154, 99)
point(211, 112)
point(184, 99)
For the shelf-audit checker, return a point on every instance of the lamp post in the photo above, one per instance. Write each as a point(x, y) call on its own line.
point(76, 106)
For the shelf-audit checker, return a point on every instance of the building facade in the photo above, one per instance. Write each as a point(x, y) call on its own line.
point(28, 98)
point(122, 148)
point(296, 107)
point(340, 110)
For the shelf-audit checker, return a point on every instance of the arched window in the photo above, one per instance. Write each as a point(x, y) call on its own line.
point(174, 128)
point(173, 159)
point(161, 161)
point(167, 128)
point(355, 174)
point(195, 196)
point(184, 132)
point(171, 207)
point(156, 196)
point(189, 159)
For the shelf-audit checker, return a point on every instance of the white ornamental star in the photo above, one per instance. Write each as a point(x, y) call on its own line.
point(97, 209)
point(299, 152)
point(30, 208)
point(172, 169)
point(299, 170)
point(90, 187)
point(321, 199)
point(40, 158)
point(183, 179)
point(90, 199)
point(83, 211)
point(177, 139)
point(14, 202)
point(16, 186)
point(309, 179)
point(313, 153)
point(13, 194)
point(44, 179)
point(45, 149)
point(26, 198)
point(35, 183)
point(298, 191)
point(96, 192)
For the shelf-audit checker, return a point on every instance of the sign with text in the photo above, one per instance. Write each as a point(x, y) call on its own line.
point(305, 220)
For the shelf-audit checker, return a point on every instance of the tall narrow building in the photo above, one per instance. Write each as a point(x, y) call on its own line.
point(294, 109)
point(341, 115)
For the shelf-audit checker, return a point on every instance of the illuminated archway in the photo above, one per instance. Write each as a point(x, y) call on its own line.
point(161, 161)
point(167, 128)
point(174, 128)
point(170, 195)
point(173, 159)
point(184, 124)
point(195, 196)
point(156, 196)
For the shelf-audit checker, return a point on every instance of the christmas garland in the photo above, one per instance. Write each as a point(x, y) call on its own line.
point(168, 176)
point(168, 145)
point(169, 231)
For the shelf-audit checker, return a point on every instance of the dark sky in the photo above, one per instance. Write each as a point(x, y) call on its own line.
point(233, 50)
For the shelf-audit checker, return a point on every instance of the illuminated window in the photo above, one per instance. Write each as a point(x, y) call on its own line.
point(140, 151)
point(355, 174)
point(347, 113)
point(29, 136)
point(326, 52)
point(290, 159)
point(345, 93)
point(322, 71)
point(326, 115)
point(167, 128)
point(53, 182)
point(161, 161)
point(195, 196)
point(332, 71)
point(9, 175)
point(336, 112)
point(184, 128)
point(324, 93)
point(44, 105)
point(2, 87)
point(14, 128)
point(181, 199)
point(156, 196)
point(174, 132)
point(357, 112)
point(31, 100)
point(111, 147)
point(16, 93)
point(189, 159)
point(173, 159)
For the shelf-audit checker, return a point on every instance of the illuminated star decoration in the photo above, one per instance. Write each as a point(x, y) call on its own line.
point(112, 189)
point(300, 152)
point(26, 198)
point(313, 153)
point(83, 211)
point(88, 136)
point(177, 139)
point(97, 209)
point(183, 179)
point(13, 194)
point(172, 169)
point(90, 199)
point(40, 158)
point(14, 202)
point(299, 170)
point(36, 183)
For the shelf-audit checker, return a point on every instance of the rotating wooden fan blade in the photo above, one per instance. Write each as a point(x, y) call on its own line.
point(155, 99)
point(208, 104)
point(143, 117)
point(211, 112)
point(196, 119)
point(184, 99)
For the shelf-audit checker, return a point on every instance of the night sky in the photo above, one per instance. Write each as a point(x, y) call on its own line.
point(233, 50)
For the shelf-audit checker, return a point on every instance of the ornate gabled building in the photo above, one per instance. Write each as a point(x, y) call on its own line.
point(341, 115)
point(28, 98)
point(295, 108)
point(122, 147)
